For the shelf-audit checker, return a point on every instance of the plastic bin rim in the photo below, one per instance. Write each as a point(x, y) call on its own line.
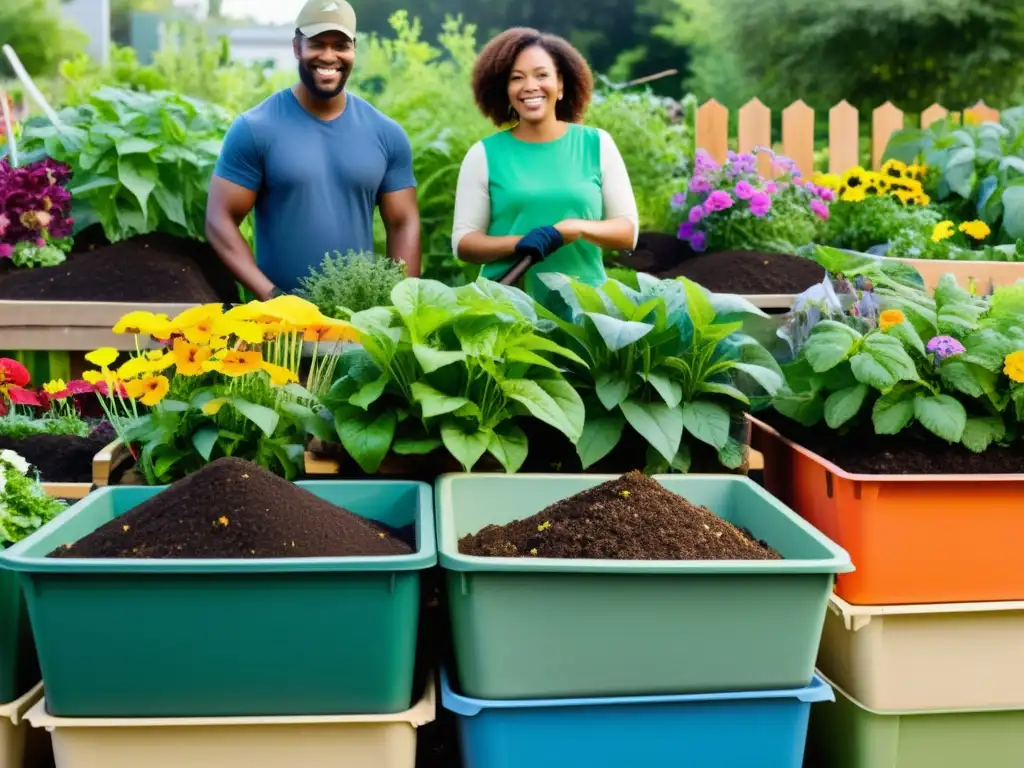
point(817, 691)
point(849, 611)
point(14, 559)
point(839, 562)
point(421, 713)
point(841, 473)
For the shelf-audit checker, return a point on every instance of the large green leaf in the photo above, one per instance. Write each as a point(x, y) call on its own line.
point(708, 422)
point(431, 359)
point(264, 418)
point(425, 305)
point(553, 402)
point(509, 445)
point(829, 344)
point(616, 333)
point(659, 425)
point(941, 415)
point(1013, 209)
point(434, 402)
point(366, 437)
point(698, 304)
point(466, 447)
point(671, 391)
point(882, 362)
point(966, 377)
point(611, 390)
point(370, 392)
point(894, 410)
point(599, 438)
point(204, 440)
point(843, 405)
point(139, 176)
point(981, 432)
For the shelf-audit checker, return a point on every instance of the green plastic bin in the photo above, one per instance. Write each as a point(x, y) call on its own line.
point(208, 638)
point(19, 666)
point(548, 628)
point(847, 734)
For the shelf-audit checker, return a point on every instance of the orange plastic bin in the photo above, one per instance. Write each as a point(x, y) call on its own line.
point(913, 538)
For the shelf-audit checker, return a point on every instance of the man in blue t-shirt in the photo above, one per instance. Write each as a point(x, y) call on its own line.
point(314, 161)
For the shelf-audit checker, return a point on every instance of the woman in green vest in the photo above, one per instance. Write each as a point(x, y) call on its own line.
point(547, 186)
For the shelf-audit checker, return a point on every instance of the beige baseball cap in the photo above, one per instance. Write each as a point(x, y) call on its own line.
point(319, 16)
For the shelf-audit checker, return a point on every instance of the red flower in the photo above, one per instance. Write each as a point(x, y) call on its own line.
point(79, 387)
point(13, 372)
point(22, 396)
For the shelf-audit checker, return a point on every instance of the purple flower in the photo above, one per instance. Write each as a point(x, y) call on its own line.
point(718, 200)
point(696, 214)
point(698, 241)
point(699, 184)
point(945, 346)
point(819, 208)
point(760, 204)
point(744, 190)
point(686, 230)
point(704, 163)
point(678, 200)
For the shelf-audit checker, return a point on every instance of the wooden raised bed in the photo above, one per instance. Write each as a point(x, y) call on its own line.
point(987, 275)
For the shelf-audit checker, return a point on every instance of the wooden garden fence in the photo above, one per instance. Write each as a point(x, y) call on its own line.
point(755, 130)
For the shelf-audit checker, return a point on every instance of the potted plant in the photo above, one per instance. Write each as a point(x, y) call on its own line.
point(900, 419)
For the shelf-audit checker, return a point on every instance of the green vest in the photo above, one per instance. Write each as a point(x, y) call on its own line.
point(540, 184)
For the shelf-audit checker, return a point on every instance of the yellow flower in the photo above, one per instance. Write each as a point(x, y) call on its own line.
point(134, 368)
point(159, 360)
point(235, 363)
point(1013, 366)
point(189, 358)
point(154, 389)
point(978, 230)
point(330, 330)
point(195, 315)
point(246, 331)
point(292, 311)
point(827, 180)
point(213, 407)
point(144, 324)
point(200, 331)
point(875, 184)
point(915, 171)
point(55, 387)
point(852, 194)
point(890, 318)
point(894, 169)
point(279, 375)
point(854, 178)
point(943, 231)
point(93, 377)
point(104, 357)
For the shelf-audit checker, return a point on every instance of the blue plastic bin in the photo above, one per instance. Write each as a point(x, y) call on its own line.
point(762, 729)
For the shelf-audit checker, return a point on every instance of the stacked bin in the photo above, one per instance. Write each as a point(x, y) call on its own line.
point(924, 642)
point(230, 663)
point(606, 663)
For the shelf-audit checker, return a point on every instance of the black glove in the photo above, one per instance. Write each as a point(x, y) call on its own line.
point(539, 243)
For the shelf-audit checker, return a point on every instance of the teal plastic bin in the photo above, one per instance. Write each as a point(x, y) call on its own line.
point(177, 638)
point(19, 666)
point(530, 628)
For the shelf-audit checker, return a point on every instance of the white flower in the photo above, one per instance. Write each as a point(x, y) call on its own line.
point(14, 461)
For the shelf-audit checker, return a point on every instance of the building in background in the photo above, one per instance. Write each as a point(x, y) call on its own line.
point(93, 16)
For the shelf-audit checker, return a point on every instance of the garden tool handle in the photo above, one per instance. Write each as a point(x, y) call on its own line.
point(517, 271)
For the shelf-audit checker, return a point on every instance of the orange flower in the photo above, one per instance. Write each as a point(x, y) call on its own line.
point(235, 363)
point(189, 358)
point(327, 329)
point(890, 318)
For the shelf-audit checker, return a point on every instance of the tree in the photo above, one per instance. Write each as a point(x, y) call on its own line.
point(38, 33)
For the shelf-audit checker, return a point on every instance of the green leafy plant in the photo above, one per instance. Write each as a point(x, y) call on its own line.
point(24, 506)
point(344, 285)
point(451, 368)
point(877, 220)
point(979, 168)
point(946, 370)
point(669, 360)
point(142, 161)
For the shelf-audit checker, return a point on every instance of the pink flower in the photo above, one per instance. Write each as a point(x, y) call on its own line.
point(819, 208)
point(760, 204)
point(827, 194)
point(699, 184)
point(696, 214)
point(699, 241)
point(718, 201)
point(771, 187)
point(5, 251)
point(744, 190)
point(4, 221)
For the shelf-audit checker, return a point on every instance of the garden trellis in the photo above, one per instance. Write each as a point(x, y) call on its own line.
point(755, 130)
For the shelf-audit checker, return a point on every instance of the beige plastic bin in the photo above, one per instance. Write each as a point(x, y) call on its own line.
point(352, 741)
point(14, 730)
point(951, 656)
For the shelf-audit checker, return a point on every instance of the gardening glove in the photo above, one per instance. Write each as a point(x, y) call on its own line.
point(539, 243)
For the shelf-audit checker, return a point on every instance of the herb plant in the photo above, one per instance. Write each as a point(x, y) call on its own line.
point(669, 360)
point(24, 506)
point(451, 368)
point(352, 283)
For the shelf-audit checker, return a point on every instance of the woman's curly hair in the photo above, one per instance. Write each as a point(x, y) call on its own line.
point(494, 65)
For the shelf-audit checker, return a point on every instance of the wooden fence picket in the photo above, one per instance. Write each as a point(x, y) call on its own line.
point(755, 130)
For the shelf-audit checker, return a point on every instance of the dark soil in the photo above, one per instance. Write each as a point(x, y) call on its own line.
point(911, 452)
point(62, 458)
point(656, 252)
point(154, 268)
point(234, 509)
point(750, 272)
point(630, 518)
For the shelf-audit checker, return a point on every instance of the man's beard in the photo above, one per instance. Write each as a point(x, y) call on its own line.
point(309, 80)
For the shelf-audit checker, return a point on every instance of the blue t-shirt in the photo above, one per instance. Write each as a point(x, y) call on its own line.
point(317, 181)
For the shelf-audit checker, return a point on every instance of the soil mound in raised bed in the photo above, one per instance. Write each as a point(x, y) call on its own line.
point(630, 518)
point(749, 272)
point(62, 458)
point(911, 452)
point(234, 509)
point(155, 268)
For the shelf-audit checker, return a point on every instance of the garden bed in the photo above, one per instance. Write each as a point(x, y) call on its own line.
point(774, 278)
point(986, 275)
point(74, 305)
point(62, 458)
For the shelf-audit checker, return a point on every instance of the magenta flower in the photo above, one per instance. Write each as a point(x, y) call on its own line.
point(771, 187)
point(698, 241)
point(826, 194)
point(5, 251)
point(944, 346)
point(696, 214)
point(718, 201)
point(744, 190)
point(699, 184)
point(686, 230)
point(760, 204)
point(820, 209)
point(678, 200)
point(4, 221)
point(703, 162)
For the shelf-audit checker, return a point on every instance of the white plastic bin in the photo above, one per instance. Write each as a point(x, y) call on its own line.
point(352, 741)
point(953, 656)
point(14, 752)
